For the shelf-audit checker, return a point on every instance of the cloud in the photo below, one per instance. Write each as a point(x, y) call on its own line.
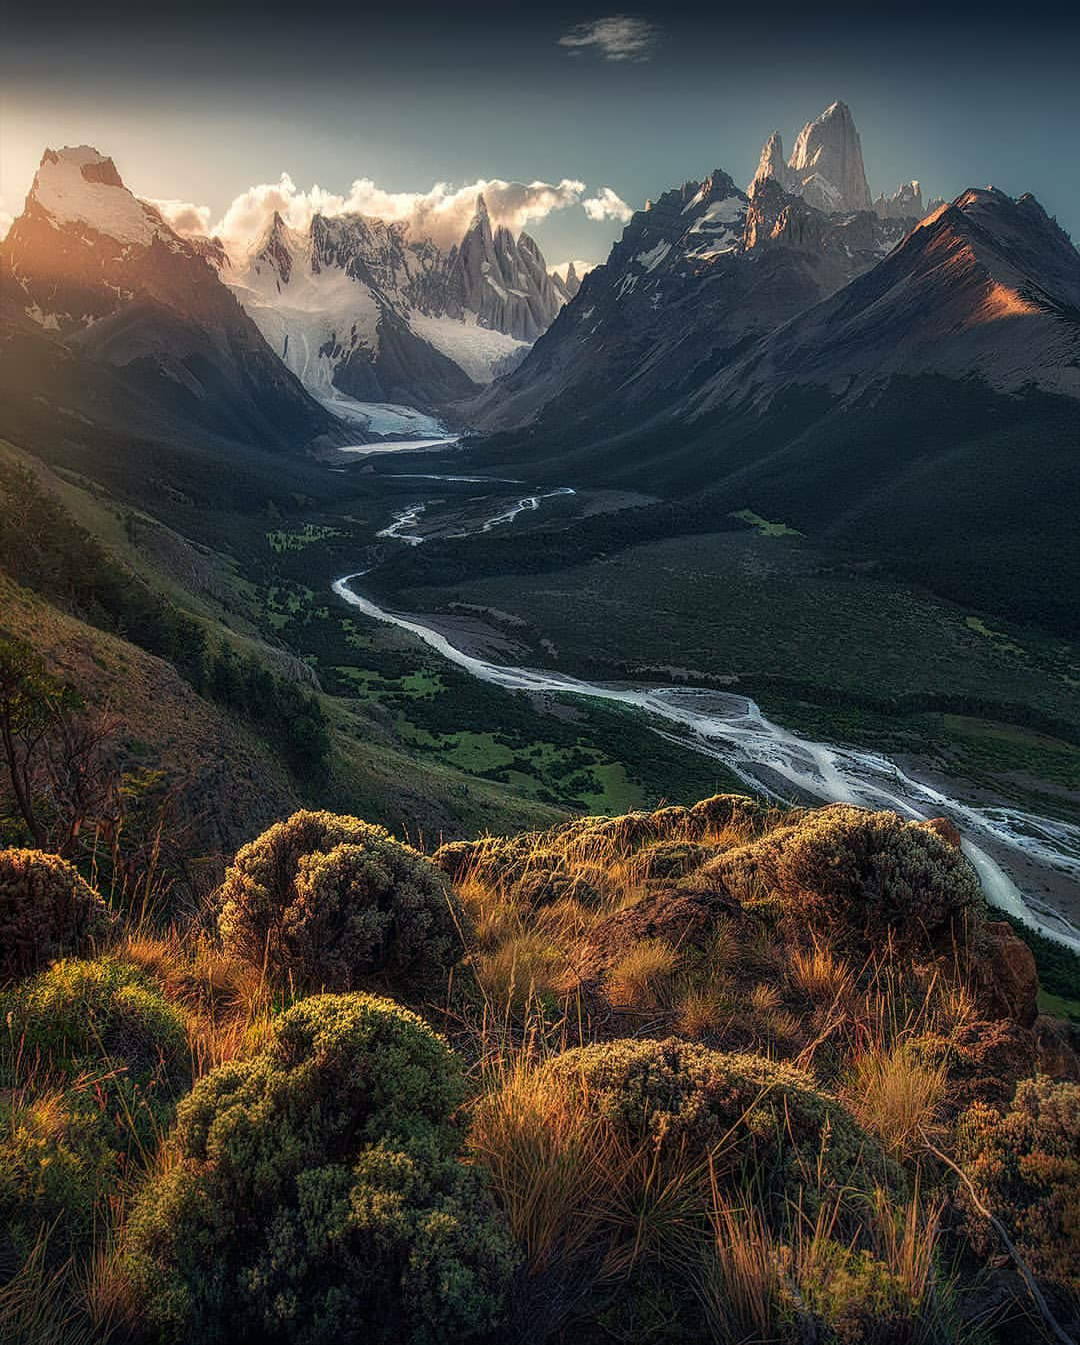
point(607, 204)
point(618, 38)
point(443, 213)
point(184, 217)
point(7, 219)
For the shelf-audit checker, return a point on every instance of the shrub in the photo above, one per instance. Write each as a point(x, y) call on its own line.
point(1025, 1166)
point(860, 1299)
point(674, 859)
point(316, 1190)
point(106, 1020)
point(872, 871)
point(328, 901)
point(735, 811)
point(763, 1123)
point(46, 911)
point(55, 1166)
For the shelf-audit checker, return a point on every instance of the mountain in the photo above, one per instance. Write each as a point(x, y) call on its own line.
point(113, 317)
point(987, 288)
point(696, 277)
point(826, 165)
point(356, 306)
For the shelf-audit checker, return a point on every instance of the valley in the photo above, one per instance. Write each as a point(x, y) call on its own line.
point(1029, 864)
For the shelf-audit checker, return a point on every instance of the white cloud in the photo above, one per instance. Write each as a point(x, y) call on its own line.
point(7, 219)
point(443, 213)
point(617, 38)
point(184, 217)
point(607, 204)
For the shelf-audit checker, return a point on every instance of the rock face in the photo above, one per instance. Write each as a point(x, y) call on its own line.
point(826, 165)
point(987, 287)
point(356, 305)
point(92, 276)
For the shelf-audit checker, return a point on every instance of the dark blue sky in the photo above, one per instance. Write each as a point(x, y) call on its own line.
point(201, 104)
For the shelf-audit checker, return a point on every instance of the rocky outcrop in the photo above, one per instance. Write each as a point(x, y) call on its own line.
point(1007, 980)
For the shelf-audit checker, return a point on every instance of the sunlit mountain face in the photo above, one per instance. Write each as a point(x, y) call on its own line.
point(539, 745)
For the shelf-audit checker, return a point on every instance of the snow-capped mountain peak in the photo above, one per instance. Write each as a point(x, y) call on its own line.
point(361, 308)
point(77, 185)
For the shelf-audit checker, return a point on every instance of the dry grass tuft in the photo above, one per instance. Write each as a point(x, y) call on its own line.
point(549, 1160)
point(704, 1010)
point(524, 968)
point(642, 977)
point(896, 1096)
point(739, 1283)
point(822, 977)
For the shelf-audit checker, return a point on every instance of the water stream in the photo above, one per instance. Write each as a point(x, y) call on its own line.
point(732, 729)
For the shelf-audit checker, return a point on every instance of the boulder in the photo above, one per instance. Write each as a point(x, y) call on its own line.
point(1008, 983)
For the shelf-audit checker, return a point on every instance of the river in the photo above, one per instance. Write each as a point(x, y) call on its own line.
point(732, 729)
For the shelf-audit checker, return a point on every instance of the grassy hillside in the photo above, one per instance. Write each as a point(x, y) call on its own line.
point(342, 712)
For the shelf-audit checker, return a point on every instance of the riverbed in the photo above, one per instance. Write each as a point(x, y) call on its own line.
point(1001, 843)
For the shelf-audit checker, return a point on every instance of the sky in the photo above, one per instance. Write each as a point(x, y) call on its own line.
point(208, 106)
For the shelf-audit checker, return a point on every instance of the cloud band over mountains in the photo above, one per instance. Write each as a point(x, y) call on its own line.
point(442, 214)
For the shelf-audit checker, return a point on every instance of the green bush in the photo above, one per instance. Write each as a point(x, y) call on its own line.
point(107, 1022)
point(766, 1124)
point(324, 901)
point(317, 1193)
point(55, 1169)
point(858, 1300)
point(46, 911)
point(1025, 1166)
point(874, 872)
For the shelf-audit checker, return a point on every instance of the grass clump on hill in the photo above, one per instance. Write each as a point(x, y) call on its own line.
point(317, 1186)
point(328, 901)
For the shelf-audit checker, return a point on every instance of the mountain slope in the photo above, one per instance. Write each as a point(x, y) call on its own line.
point(987, 287)
point(97, 285)
point(696, 277)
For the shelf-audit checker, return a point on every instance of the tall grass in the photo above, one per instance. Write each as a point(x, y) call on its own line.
point(896, 1096)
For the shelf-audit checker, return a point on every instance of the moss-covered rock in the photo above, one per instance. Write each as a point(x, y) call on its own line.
point(317, 1191)
point(324, 901)
point(46, 911)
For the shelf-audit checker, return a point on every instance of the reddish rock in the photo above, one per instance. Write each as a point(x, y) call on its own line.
point(985, 1061)
point(943, 828)
point(1007, 980)
point(685, 917)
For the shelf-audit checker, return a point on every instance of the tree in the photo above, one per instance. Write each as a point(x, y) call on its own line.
point(31, 704)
